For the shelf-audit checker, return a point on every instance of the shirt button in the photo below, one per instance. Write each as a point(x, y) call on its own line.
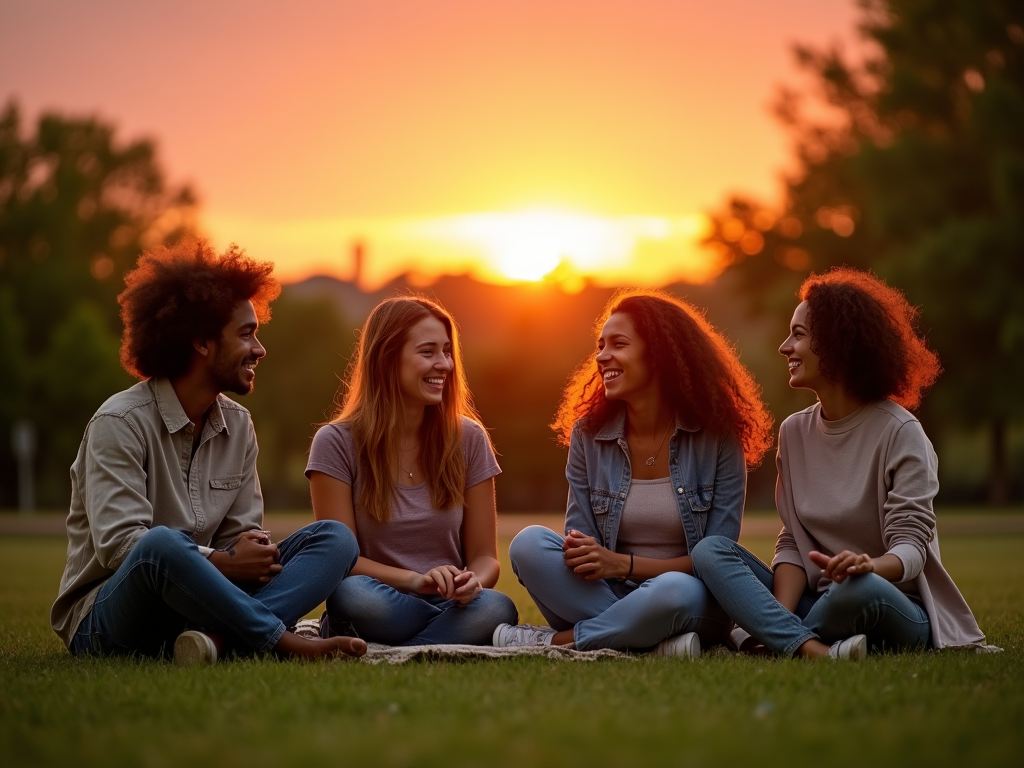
point(679, 490)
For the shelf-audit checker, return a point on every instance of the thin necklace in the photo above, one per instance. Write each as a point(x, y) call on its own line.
point(402, 466)
point(651, 459)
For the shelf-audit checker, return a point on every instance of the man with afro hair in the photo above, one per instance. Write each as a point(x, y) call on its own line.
point(165, 542)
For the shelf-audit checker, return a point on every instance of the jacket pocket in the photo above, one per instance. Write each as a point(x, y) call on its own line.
point(700, 499)
point(229, 483)
point(601, 505)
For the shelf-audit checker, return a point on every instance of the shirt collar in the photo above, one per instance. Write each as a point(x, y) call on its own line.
point(174, 415)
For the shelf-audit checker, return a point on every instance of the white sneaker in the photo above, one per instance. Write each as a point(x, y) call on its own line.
point(194, 647)
point(853, 648)
point(516, 635)
point(738, 636)
point(307, 628)
point(685, 646)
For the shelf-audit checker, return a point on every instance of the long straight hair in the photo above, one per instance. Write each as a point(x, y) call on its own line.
point(371, 401)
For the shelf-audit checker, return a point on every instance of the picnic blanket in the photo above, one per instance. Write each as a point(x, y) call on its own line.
point(402, 654)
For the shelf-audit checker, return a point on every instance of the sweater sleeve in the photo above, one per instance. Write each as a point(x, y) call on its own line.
point(786, 550)
point(911, 477)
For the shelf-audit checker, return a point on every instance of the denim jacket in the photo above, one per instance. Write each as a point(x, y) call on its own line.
point(708, 473)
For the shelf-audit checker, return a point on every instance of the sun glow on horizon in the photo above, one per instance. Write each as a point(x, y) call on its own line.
point(564, 247)
point(529, 245)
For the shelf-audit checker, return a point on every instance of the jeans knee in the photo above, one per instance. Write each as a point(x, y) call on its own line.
point(498, 607)
point(856, 591)
point(361, 597)
point(482, 616)
point(676, 592)
point(341, 540)
point(530, 544)
point(708, 550)
point(162, 542)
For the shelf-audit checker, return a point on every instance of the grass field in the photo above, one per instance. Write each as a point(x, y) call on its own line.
point(925, 709)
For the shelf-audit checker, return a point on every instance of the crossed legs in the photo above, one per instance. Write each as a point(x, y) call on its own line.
point(166, 585)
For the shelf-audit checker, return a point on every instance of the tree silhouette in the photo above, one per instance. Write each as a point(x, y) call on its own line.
point(913, 166)
point(76, 209)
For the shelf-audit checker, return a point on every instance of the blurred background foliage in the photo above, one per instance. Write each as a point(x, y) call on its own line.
point(908, 160)
point(76, 209)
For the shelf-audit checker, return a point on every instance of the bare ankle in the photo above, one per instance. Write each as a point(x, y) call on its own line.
point(812, 649)
point(565, 637)
point(294, 647)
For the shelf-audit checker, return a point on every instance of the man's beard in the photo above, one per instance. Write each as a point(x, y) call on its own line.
point(228, 377)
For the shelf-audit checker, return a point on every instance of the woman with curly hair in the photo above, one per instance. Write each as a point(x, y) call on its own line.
point(407, 466)
point(856, 563)
point(661, 425)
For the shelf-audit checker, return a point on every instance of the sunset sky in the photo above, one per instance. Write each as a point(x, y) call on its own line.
point(505, 138)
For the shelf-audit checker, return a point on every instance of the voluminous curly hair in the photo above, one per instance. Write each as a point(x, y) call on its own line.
point(182, 293)
point(698, 372)
point(865, 335)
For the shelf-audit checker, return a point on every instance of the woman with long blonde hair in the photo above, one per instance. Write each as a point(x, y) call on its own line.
point(408, 467)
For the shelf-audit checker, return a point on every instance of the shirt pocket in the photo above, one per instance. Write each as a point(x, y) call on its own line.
point(223, 491)
point(229, 483)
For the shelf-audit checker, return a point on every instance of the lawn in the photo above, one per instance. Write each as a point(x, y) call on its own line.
point(927, 709)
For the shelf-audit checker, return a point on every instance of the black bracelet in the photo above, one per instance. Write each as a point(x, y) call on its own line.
point(629, 572)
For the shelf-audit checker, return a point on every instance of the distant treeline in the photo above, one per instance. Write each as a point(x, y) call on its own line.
point(916, 172)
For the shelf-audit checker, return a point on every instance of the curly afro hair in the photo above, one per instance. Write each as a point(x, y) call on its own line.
point(699, 373)
point(181, 293)
point(866, 339)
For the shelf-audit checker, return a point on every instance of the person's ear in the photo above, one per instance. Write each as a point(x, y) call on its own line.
point(202, 347)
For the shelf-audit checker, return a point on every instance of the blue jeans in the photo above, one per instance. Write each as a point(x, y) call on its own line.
point(379, 613)
point(623, 617)
point(861, 605)
point(165, 586)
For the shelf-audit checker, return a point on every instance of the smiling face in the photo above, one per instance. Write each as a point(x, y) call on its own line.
point(425, 363)
point(237, 351)
point(622, 359)
point(804, 372)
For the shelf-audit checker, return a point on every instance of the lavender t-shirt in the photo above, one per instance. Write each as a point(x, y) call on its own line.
point(417, 537)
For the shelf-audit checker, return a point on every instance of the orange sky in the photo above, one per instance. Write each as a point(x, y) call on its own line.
point(507, 138)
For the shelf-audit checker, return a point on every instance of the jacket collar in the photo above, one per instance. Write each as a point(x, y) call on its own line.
point(615, 427)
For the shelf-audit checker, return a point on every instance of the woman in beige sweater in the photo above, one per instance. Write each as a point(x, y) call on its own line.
point(856, 563)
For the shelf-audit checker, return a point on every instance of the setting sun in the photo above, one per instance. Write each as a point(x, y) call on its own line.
point(564, 247)
point(518, 145)
point(529, 245)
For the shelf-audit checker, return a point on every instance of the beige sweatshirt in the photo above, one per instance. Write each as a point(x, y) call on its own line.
point(866, 483)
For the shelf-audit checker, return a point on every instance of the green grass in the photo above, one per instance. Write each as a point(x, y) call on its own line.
point(925, 709)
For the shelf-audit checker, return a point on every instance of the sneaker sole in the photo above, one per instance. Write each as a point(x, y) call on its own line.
point(192, 648)
point(690, 649)
point(858, 650)
point(496, 636)
point(497, 642)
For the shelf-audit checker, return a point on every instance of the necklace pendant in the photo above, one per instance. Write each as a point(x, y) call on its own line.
point(410, 475)
point(650, 461)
